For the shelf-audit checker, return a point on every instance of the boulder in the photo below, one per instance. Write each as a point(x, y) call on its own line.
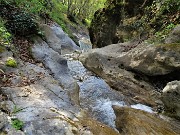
point(51, 38)
point(58, 40)
point(136, 122)
point(67, 44)
point(103, 29)
point(105, 63)
point(171, 97)
point(174, 36)
point(152, 60)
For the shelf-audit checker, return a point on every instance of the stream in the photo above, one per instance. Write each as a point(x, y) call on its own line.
point(95, 94)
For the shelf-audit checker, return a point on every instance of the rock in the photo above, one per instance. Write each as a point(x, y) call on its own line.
point(103, 29)
point(136, 122)
point(152, 60)
point(67, 44)
point(174, 36)
point(3, 120)
point(58, 67)
point(170, 98)
point(102, 32)
point(13, 131)
point(105, 63)
point(52, 40)
point(58, 40)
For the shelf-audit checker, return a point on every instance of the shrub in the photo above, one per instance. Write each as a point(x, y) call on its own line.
point(17, 124)
point(21, 23)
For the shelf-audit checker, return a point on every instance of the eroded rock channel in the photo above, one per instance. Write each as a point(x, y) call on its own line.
point(65, 98)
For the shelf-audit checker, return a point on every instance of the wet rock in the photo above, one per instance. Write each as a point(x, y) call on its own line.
point(174, 36)
point(136, 122)
point(170, 98)
point(105, 63)
point(98, 97)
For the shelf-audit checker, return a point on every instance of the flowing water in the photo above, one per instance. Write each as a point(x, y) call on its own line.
point(95, 94)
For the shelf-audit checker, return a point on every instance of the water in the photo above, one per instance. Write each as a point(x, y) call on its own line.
point(95, 94)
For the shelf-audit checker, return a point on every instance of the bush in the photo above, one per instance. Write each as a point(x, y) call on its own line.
point(17, 124)
point(21, 23)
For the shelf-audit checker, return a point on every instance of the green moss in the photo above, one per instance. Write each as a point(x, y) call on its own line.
point(2, 49)
point(173, 46)
point(11, 62)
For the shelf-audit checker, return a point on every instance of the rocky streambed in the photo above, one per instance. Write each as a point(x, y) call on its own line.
point(63, 97)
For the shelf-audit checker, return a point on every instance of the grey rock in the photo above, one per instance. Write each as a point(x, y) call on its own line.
point(152, 60)
point(174, 36)
point(58, 66)
point(3, 120)
point(58, 40)
point(67, 44)
point(13, 131)
point(171, 98)
point(51, 38)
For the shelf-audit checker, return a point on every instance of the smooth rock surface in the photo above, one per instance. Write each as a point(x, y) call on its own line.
point(57, 66)
point(171, 99)
point(152, 60)
point(58, 40)
point(136, 122)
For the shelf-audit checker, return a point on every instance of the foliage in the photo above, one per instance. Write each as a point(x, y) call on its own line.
point(5, 36)
point(11, 62)
point(21, 23)
point(158, 19)
point(161, 35)
point(17, 124)
point(83, 9)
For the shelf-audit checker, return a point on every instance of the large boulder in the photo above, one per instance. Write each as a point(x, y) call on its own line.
point(171, 97)
point(58, 40)
point(174, 36)
point(152, 60)
point(136, 122)
point(105, 63)
point(103, 29)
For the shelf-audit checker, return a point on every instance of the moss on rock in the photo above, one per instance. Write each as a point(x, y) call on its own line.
point(172, 46)
point(11, 62)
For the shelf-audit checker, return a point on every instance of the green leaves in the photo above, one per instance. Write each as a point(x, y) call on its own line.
point(17, 124)
point(5, 37)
